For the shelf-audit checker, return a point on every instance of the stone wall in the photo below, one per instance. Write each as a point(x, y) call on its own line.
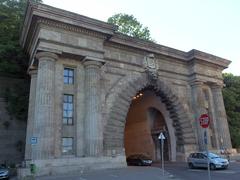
point(12, 131)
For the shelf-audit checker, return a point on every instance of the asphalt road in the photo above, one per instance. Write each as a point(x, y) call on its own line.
point(181, 171)
point(175, 171)
point(129, 173)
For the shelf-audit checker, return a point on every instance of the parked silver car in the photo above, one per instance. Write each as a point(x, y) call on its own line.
point(200, 159)
point(4, 173)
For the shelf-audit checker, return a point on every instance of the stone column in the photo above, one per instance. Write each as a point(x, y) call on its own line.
point(221, 118)
point(198, 108)
point(31, 111)
point(213, 120)
point(93, 118)
point(44, 107)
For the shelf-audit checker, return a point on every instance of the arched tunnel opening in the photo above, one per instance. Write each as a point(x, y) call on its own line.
point(144, 123)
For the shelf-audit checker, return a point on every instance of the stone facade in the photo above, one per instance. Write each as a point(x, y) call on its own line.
point(109, 69)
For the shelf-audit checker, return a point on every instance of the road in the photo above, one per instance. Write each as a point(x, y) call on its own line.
point(181, 171)
point(176, 171)
point(129, 173)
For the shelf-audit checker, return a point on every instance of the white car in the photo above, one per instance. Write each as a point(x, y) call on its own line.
point(4, 173)
point(200, 159)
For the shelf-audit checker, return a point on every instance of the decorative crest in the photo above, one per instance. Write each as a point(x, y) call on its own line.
point(151, 68)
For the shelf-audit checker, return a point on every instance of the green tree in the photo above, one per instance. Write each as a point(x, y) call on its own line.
point(129, 25)
point(231, 96)
point(13, 61)
point(12, 58)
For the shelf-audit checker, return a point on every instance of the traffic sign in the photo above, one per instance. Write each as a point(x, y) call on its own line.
point(33, 140)
point(161, 136)
point(204, 121)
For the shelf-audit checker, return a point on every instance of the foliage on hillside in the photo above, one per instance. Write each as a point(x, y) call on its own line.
point(12, 58)
point(231, 96)
point(13, 61)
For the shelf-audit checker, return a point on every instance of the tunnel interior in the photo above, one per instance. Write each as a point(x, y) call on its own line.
point(144, 123)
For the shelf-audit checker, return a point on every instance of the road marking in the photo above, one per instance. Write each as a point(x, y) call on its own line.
point(112, 175)
point(226, 172)
point(196, 170)
point(216, 171)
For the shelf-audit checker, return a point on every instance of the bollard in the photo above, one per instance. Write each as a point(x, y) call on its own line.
point(33, 168)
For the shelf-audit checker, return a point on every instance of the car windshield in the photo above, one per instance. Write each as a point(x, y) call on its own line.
point(139, 156)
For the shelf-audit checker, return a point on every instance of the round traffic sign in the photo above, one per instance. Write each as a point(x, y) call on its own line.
point(204, 121)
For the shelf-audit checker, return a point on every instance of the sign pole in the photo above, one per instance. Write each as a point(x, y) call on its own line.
point(204, 121)
point(162, 137)
point(162, 144)
point(206, 145)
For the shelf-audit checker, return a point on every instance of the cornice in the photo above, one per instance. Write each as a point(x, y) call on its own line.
point(126, 41)
point(58, 18)
point(38, 16)
point(71, 28)
point(199, 55)
point(49, 12)
point(148, 46)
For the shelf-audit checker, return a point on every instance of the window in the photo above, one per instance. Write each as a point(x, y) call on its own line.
point(194, 155)
point(201, 156)
point(68, 109)
point(67, 145)
point(68, 76)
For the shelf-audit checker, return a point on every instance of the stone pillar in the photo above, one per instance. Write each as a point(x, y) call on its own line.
point(31, 111)
point(213, 120)
point(198, 108)
point(80, 106)
point(221, 118)
point(93, 118)
point(44, 107)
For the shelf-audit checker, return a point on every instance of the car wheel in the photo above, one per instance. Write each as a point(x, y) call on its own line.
point(212, 166)
point(190, 165)
point(139, 164)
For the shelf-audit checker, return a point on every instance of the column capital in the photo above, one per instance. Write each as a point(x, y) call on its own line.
point(46, 55)
point(32, 70)
point(93, 61)
point(217, 86)
point(197, 83)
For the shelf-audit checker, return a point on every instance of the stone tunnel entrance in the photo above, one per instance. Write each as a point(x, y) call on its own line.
point(144, 123)
point(141, 109)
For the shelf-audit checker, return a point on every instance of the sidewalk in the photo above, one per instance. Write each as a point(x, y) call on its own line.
point(129, 173)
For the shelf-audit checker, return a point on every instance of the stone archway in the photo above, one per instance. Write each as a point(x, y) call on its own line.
point(120, 99)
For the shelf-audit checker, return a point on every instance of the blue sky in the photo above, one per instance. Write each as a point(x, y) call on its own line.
point(212, 26)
